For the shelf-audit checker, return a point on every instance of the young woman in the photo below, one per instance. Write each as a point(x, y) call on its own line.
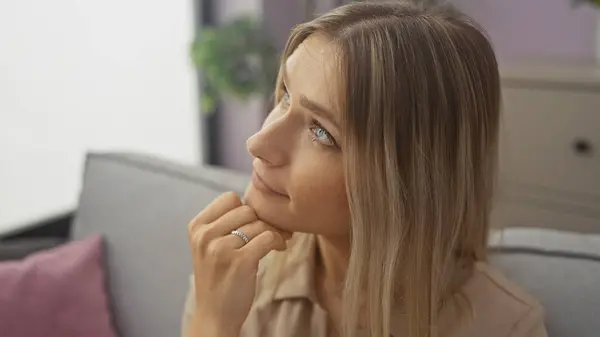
point(380, 158)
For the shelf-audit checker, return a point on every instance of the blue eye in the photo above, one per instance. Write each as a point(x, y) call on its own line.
point(319, 134)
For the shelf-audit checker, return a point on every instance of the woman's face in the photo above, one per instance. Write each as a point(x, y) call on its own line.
point(298, 180)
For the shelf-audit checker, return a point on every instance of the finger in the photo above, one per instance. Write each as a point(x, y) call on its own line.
point(262, 244)
point(233, 219)
point(217, 208)
point(251, 230)
point(286, 235)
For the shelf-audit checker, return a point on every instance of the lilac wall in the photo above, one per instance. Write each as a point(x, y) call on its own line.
point(536, 28)
point(518, 28)
point(281, 16)
point(239, 120)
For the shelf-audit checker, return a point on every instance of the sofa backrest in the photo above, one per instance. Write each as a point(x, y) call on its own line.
point(142, 205)
point(561, 269)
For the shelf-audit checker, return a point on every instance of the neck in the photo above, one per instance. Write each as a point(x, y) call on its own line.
point(332, 262)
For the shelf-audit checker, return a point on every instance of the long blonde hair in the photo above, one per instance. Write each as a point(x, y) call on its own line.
point(421, 100)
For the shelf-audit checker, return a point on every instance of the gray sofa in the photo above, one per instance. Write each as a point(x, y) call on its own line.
point(141, 205)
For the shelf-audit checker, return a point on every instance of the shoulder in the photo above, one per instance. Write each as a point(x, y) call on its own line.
point(499, 308)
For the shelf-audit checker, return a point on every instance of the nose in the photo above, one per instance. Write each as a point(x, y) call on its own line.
point(272, 143)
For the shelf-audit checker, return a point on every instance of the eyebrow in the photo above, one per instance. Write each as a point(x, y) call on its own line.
point(319, 110)
point(315, 108)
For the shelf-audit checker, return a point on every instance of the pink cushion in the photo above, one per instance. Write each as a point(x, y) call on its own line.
point(59, 292)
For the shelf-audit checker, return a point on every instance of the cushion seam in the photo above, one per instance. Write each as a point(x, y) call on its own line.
point(543, 252)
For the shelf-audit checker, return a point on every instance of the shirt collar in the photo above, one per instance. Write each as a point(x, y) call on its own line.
point(295, 277)
point(296, 269)
point(294, 272)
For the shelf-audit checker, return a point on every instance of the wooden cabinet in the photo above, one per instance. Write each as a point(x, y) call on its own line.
point(549, 169)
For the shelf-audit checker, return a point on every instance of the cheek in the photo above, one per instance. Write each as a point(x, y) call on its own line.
point(319, 197)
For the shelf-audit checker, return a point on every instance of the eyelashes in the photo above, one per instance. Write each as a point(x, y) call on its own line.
point(320, 134)
point(317, 132)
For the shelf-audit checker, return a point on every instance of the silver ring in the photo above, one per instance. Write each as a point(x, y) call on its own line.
point(241, 235)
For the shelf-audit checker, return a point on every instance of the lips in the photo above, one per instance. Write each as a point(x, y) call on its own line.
point(262, 184)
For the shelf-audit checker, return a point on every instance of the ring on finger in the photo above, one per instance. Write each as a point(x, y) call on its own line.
point(242, 235)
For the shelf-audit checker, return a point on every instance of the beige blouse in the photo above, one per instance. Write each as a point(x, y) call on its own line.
point(487, 305)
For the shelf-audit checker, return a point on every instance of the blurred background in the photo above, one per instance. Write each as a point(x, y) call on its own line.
point(124, 76)
point(164, 94)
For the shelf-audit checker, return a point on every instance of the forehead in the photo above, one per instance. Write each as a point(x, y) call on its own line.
point(312, 71)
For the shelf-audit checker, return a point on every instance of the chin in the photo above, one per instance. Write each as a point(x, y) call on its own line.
point(272, 210)
point(279, 212)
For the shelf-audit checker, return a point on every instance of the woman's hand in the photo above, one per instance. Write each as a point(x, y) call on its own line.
point(225, 267)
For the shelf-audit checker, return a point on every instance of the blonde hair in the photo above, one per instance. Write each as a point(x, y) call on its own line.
point(421, 100)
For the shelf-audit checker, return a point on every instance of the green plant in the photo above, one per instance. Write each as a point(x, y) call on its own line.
point(237, 59)
point(591, 2)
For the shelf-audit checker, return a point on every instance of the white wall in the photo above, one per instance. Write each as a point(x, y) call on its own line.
point(546, 29)
point(89, 75)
